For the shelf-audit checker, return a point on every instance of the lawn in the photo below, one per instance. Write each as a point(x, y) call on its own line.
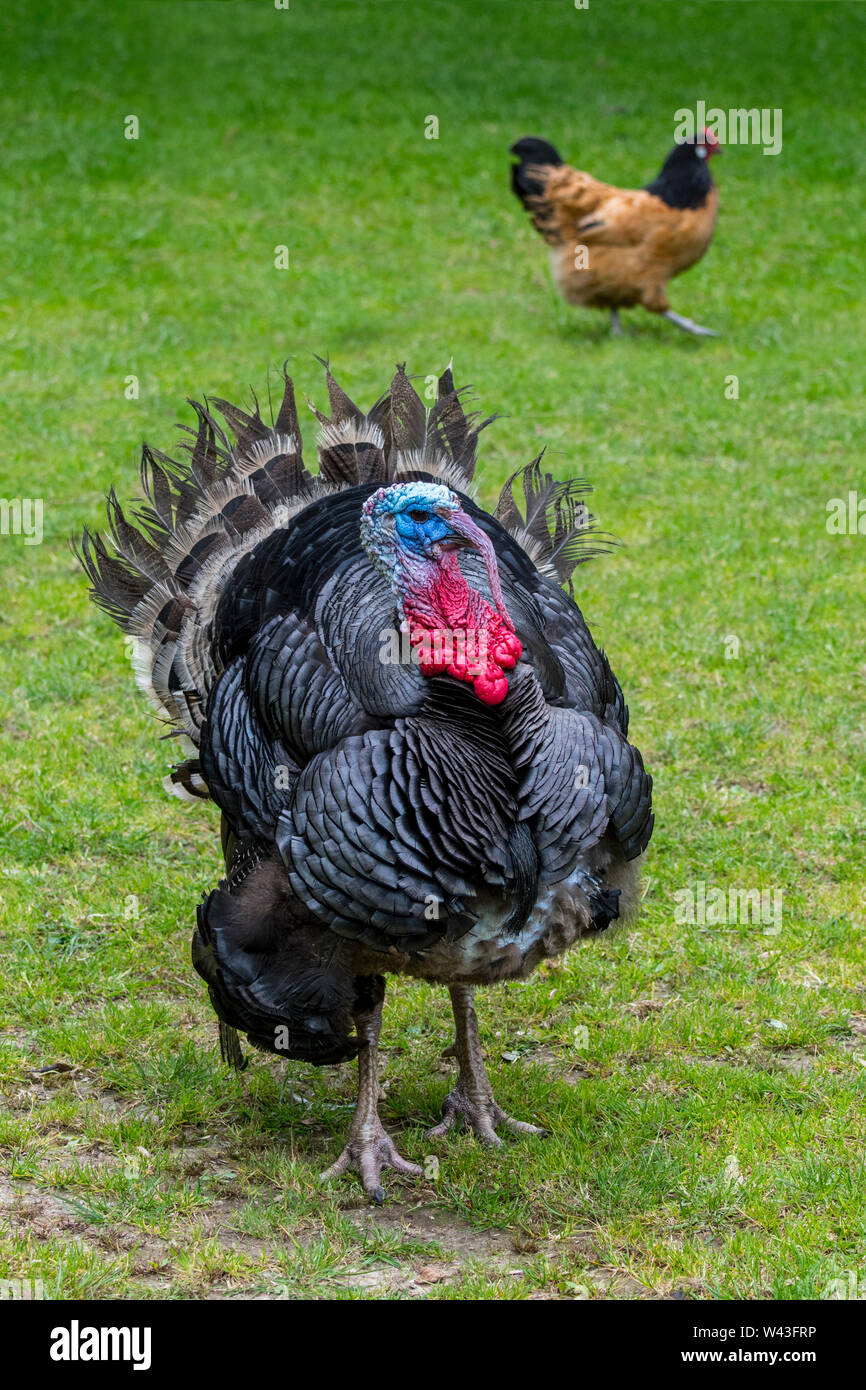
point(703, 1083)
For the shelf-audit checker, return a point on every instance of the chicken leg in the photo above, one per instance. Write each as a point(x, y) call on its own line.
point(370, 1148)
point(688, 325)
point(471, 1103)
point(616, 330)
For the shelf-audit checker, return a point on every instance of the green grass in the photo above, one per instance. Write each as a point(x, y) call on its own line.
point(707, 1132)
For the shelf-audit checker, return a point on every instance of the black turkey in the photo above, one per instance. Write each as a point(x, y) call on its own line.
point(419, 752)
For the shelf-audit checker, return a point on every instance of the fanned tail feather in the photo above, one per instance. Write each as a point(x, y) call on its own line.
point(556, 529)
point(164, 564)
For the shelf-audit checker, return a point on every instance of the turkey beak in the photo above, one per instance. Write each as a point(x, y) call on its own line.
point(466, 533)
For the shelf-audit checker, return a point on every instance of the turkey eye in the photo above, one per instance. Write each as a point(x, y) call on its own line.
point(419, 516)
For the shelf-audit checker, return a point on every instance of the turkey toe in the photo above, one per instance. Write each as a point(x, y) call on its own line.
point(367, 1155)
point(483, 1116)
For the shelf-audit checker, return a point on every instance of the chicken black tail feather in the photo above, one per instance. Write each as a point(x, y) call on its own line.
point(531, 152)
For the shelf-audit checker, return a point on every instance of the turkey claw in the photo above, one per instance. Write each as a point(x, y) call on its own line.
point(367, 1155)
point(482, 1116)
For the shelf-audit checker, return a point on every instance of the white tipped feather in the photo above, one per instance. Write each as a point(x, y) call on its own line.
point(173, 653)
point(436, 462)
point(350, 431)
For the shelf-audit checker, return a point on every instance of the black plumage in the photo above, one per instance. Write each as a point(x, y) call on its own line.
point(684, 179)
point(375, 820)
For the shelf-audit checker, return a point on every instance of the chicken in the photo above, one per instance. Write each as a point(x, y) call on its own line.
point(419, 753)
point(612, 248)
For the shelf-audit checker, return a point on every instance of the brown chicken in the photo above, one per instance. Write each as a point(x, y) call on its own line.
point(612, 248)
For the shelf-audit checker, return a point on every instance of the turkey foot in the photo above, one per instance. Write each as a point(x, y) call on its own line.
point(482, 1115)
point(471, 1103)
point(370, 1148)
point(368, 1153)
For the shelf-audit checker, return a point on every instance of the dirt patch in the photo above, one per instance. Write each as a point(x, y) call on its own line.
point(504, 1253)
point(53, 1215)
point(42, 1084)
point(432, 1224)
point(58, 1214)
point(564, 1067)
point(797, 1061)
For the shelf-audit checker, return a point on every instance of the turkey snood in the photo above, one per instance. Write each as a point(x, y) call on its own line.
point(412, 533)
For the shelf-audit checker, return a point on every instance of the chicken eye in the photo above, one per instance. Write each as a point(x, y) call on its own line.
point(420, 517)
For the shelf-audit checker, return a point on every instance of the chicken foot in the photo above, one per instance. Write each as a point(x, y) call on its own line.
point(688, 325)
point(471, 1103)
point(370, 1148)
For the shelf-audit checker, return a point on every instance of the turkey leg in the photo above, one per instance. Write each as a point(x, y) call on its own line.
point(471, 1103)
point(370, 1148)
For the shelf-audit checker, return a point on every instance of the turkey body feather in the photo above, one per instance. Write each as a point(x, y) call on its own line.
point(379, 815)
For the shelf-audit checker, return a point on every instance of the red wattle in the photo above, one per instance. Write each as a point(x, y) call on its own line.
point(490, 688)
point(454, 630)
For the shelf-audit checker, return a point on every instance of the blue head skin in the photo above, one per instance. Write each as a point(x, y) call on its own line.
point(411, 525)
point(408, 530)
point(422, 525)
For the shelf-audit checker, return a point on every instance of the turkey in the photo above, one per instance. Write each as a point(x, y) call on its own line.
point(419, 753)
